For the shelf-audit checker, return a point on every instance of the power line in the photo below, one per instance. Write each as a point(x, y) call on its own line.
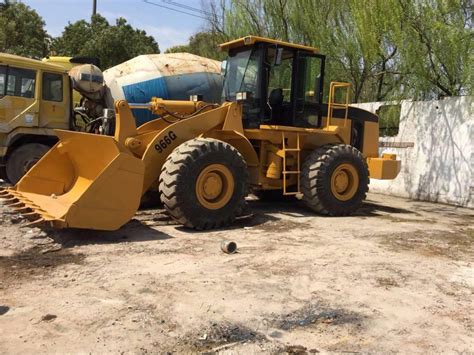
point(172, 9)
point(187, 7)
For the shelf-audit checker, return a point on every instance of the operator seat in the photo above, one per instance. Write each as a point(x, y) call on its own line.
point(275, 102)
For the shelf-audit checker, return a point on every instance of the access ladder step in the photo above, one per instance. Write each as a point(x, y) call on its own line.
point(293, 193)
point(291, 172)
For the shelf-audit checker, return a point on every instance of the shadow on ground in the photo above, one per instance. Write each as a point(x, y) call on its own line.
point(33, 262)
point(370, 209)
point(133, 232)
point(258, 214)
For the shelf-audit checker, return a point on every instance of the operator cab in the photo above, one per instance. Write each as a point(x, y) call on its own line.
point(283, 82)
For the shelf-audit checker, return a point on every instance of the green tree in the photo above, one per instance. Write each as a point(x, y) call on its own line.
point(111, 44)
point(361, 49)
point(182, 48)
point(437, 50)
point(354, 36)
point(204, 44)
point(22, 31)
point(387, 49)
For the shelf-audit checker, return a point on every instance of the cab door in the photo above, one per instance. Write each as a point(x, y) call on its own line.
point(55, 101)
point(18, 92)
point(307, 89)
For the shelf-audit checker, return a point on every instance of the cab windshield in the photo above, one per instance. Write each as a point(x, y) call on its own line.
point(241, 74)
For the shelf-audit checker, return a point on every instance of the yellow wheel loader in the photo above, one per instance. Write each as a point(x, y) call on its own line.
point(272, 135)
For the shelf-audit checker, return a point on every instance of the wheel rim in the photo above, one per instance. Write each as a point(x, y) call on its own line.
point(344, 182)
point(214, 186)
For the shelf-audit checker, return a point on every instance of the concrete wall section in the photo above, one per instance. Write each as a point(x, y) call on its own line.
point(435, 144)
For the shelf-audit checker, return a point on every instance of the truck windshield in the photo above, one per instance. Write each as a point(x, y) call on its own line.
point(241, 74)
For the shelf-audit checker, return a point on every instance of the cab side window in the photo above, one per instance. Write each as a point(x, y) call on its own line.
point(3, 80)
point(279, 78)
point(308, 108)
point(20, 82)
point(52, 87)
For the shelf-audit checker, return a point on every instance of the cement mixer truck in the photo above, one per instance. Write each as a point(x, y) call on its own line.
point(36, 97)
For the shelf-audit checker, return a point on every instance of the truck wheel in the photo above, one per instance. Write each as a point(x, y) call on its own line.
point(22, 159)
point(203, 183)
point(334, 180)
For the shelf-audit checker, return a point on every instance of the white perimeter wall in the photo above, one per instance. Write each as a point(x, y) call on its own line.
point(439, 167)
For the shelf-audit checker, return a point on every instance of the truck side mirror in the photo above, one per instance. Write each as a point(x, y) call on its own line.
point(278, 56)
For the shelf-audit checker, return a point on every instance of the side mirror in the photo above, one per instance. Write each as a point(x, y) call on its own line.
point(223, 67)
point(278, 56)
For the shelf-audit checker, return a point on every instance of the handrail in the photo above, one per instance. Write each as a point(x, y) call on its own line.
point(332, 104)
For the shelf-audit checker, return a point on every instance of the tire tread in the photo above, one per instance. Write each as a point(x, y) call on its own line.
point(185, 156)
point(315, 172)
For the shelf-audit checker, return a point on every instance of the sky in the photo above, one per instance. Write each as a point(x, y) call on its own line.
point(169, 28)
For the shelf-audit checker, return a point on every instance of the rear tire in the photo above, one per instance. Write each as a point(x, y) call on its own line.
point(22, 159)
point(203, 183)
point(335, 180)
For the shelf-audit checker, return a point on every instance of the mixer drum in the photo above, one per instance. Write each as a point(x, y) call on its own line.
point(173, 76)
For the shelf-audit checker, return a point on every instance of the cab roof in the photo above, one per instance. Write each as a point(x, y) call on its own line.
point(54, 58)
point(251, 40)
point(28, 63)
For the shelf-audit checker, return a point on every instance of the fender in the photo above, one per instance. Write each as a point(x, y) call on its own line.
point(165, 141)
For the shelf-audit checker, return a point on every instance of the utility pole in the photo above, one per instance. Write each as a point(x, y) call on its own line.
point(94, 7)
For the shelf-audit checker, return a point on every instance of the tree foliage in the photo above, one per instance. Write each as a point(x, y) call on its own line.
point(23, 34)
point(387, 49)
point(438, 50)
point(112, 44)
point(22, 30)
point(204, 44)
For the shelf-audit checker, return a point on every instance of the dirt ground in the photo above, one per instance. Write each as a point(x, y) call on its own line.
point(397, 277)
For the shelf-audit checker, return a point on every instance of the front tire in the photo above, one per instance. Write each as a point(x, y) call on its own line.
point(203, 183)
point(335, 180)
point(22, 159)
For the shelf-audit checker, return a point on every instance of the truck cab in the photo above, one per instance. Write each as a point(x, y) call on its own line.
point(68, 63)
point(35, 99)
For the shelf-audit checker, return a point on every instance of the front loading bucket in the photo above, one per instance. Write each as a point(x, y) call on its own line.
point(84, 181)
